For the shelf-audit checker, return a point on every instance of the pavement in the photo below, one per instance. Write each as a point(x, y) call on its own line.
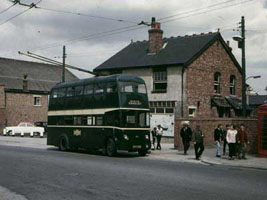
point(208, 157)
point(167, 153)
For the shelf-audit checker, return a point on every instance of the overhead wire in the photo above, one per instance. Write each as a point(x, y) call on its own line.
point(204, 12)
point(135, 27)
point(86, 15)
point(198, 9)
point(111, 32)
point(21, 13)
point(6, 9)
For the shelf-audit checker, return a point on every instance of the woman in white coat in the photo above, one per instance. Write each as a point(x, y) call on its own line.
point(231, 139)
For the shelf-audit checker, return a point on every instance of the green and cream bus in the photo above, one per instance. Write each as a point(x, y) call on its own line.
point(108, 113)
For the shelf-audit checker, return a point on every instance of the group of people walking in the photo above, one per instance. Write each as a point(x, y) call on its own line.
point(233, 137)
point(196, 135)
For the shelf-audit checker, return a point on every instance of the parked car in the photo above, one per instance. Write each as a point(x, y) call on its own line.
point(41, 124)
point(24, 128)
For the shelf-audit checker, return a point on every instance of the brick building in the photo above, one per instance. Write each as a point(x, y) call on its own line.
point(194, 76)
point(24, 90)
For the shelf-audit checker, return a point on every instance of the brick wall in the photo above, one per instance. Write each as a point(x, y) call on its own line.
point(2, 108)
point(209, 124)
point(20, 107)
point(200, 79)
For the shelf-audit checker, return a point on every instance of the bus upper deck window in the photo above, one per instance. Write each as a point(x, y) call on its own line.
point(78, 90)
point(55, 93)
point(141, 88)
point(88, 89)
point(70, 92)
point(126, 87)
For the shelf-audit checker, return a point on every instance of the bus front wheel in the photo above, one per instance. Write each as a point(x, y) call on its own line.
point(63, 143)
point(142, 152)
point(111, 147)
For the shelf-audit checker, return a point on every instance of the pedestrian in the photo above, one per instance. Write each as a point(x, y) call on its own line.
point(231, 140)
point(218, 135)
point(186, 134)
point(159, 133)
point(198, 142)
point(242, 141)
point(224, 139)
point(154, 133)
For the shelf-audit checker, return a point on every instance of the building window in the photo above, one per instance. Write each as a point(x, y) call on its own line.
point(192, 111)
point(160, 81)
point(232, 84)
point(166, 107)
point(36, 100)
point(217, 81)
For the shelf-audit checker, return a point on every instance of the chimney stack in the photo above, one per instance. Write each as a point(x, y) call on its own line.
point(155, 37)
point(25, 83)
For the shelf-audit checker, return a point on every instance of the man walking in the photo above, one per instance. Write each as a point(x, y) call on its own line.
point(218, 133)
point(198, 142)
point(242, 141)
point(186, 134)
point(159, 133)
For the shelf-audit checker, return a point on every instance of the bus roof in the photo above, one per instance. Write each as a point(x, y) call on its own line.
point(102, 79)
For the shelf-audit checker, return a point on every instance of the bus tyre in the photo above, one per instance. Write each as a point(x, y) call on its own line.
point(142, 152)
point(63, 143)
point(111, 147)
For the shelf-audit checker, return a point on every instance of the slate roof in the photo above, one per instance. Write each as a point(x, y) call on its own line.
point(257, 100)
point(178, 51)
point(40, 76)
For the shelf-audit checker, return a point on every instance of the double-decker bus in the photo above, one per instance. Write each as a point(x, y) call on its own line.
point(108, 113)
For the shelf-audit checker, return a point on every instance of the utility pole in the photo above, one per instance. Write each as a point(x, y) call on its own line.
point(63, 64)
point(244, 99)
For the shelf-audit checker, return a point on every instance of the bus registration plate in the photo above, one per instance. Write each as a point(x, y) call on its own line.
point(137, 146)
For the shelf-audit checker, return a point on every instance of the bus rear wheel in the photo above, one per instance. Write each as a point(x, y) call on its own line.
point(111, 147)
point(142, 152)
point(63, 143)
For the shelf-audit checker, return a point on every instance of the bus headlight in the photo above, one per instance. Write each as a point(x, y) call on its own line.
point(125, 137)
point(147, 137)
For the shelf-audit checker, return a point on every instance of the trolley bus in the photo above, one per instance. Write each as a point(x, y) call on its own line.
point(108, 113)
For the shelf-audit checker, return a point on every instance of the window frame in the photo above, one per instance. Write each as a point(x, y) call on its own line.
point(35, 102)
point(232, 85)
point(160, 76)
point(217, 83)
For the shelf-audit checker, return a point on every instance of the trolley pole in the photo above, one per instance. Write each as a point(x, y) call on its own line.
point(63, 64)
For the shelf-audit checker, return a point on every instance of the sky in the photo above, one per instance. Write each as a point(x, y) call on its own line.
point(95, 30)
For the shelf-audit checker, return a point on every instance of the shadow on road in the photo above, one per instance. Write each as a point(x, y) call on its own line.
point(120, 154)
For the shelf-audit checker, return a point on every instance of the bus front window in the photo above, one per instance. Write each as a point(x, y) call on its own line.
point(131, 87)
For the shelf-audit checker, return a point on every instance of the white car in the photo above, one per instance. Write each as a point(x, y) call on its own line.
point(22, 128)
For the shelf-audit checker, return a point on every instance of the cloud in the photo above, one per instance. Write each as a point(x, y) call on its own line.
point(38, 29)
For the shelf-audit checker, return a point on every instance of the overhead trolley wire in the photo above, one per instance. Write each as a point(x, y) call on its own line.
point(21, 13)
point(204, 12)
point(6, 9)
point(91, 36)
point(135, 27)
point(198, 9)
point(86, 15)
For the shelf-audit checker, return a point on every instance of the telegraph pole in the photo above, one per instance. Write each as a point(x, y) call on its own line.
point(244, 99)
point(63, 64)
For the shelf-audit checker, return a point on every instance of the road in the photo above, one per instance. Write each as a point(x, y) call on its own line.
point(48, 174)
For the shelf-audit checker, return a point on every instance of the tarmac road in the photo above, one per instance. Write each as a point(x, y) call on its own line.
point(44, 174)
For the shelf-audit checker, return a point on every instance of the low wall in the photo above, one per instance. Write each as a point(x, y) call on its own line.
point(2, 119)
point(208, 125)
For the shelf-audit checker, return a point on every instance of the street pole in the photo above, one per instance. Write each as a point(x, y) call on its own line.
point(63, 64)
point(244, 99)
